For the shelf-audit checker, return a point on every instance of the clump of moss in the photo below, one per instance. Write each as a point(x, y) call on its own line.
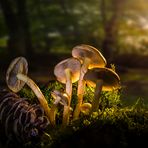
point(26, 92)
point(114, 126)
point(111, 125)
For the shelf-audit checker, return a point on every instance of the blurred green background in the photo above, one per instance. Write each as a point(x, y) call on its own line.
point(45, 31)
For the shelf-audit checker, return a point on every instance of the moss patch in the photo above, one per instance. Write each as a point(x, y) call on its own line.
point(112, 125)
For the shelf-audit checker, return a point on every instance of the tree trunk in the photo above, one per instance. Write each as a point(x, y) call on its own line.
point(110, 25)
point(15, 15)
point(110, 39)
point(24, 27)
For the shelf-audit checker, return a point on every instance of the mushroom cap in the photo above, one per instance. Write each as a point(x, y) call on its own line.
point(73, 65)
point(18, 65)
point(111, 80)
point(60, 97)
point(86, 51)
point(85, 108)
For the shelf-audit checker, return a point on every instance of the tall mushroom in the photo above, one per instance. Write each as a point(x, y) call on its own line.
point(67, 72)
point(16, 77)
point(59, 98)
point(90, 57)
point(102, 79)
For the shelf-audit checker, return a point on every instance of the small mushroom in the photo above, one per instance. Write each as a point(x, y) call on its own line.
point(59, 98)
point(85, 108)
point(18, 65)
point(102, 79)
point(67, 72)
point(16, 77)
point(90, 57)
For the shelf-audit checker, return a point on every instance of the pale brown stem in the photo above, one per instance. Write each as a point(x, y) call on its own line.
point(66, 112)
point(81, 87)
point(98, 89)
point(37, 92)
point(53, 114)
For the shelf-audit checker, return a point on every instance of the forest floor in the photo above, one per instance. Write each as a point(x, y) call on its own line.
point(121, 129)
point(134, 80)
point(135, 85)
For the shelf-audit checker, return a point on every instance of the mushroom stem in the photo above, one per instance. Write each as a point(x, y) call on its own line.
point(53, 114)
point(66, 112)
point(98, 89)
point(53, 110)
point(81, 87)
point(37, 92)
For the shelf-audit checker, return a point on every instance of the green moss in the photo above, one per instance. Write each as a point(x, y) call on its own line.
point(26, 92)
point(112, 121)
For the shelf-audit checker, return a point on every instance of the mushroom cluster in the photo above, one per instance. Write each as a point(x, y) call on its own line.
point(86, 66)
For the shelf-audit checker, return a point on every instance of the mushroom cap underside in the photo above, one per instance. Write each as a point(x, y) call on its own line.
point(86, 51)
point(63, 97)
point(110, 79)
point(18, 65)
point(73, 65)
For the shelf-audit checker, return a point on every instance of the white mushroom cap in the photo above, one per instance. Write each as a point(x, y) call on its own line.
point(73, 65)
point(111, 80)
point(18, 65)
point(86, 51)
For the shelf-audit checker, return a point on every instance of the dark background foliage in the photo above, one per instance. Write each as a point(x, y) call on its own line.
point(45, 31)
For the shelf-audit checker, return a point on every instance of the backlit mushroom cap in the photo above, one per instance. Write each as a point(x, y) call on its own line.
point(86, 51)
point(73, 65)
point(111, 80)
point(18, 65)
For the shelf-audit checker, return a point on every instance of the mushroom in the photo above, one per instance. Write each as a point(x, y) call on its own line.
point(85, 108)
point(102, 79)
point(90, 57)
point(16, 77)
point(59, 98)
point(67, 72)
